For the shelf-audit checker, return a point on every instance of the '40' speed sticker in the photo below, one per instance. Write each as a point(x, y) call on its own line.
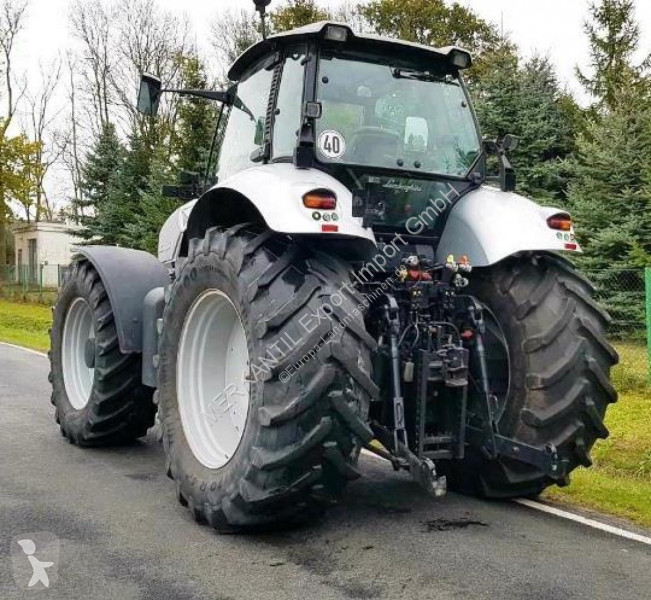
point(331, 144)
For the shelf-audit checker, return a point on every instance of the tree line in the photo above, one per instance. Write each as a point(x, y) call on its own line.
point(594, 161)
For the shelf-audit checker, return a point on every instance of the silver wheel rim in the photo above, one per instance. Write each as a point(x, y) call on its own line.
point(212, 379)
point(77, 375)
point(498, 360)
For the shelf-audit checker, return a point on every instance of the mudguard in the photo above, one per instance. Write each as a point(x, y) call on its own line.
point(276, 192)
point(487, 225)
point(128, 275)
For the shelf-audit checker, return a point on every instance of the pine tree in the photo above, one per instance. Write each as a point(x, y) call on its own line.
point(140, 202)
point(196, 120)
point(128, 190)
point(100, 173)
point(527, 101)
point(610, 201)
point(611, 195)
point(614, 37)
point(153, 207)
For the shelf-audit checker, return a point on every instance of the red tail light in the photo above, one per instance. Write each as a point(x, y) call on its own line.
point(320, 200)
point(560, 221)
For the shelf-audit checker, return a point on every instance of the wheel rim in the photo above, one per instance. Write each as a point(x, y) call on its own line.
point(212, 378)
point(498, 362)
point(77, 375)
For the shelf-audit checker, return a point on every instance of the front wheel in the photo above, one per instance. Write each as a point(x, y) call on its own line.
point(552, 382)
point(264, 380)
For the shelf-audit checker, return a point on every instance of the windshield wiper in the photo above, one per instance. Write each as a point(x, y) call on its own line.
point(400, 73)
point(238, 103)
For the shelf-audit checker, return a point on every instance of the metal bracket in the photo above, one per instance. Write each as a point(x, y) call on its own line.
point(422, 470)
point(393, 326)
point(489, 446)
point(548, 460)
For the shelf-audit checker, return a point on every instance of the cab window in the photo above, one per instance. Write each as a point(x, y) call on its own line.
point(246, 124)
point(288, 106)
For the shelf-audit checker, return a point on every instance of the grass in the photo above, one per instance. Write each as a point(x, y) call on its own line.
point(25, 324)
point(618, 483)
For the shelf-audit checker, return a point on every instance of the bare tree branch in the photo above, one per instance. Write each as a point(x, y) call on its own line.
point(12, 20)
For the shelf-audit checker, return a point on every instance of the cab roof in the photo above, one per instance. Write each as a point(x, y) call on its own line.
point(458, 57)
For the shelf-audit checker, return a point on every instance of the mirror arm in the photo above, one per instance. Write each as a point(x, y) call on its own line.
point(218, 95)
point(507, 173)
point(506, 177)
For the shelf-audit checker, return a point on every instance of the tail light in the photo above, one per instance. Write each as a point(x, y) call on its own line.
point(320, 200)
point(560, 221)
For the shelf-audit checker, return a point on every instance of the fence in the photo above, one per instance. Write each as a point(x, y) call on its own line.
point(626, 295)
point(37, 283)
point(622, 293)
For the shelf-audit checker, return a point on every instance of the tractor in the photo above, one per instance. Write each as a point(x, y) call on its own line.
point(346, 275)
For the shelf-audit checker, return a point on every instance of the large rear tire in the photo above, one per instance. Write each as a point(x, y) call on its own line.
point(559, 364)
point(96, 390)
point(251, 342)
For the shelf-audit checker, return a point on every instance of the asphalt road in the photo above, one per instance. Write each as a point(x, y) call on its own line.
point(123, 535)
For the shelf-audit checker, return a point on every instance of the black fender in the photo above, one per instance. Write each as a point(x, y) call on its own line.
point(128, 276)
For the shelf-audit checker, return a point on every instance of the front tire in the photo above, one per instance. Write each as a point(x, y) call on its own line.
point(559, 365)
point(96, 390)
point(293, 440)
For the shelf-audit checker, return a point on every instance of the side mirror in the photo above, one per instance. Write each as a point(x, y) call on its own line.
point(416, 134)
point(260, 5)
point(509, 142)
point(506, 177)
point(149, 95)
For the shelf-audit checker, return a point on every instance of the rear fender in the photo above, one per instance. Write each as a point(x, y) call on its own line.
point(487, 225)
point(128, 276)
point(273, 195)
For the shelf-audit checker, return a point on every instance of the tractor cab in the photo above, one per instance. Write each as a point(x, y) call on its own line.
point(382, 116)
point(390, 120)
point(360, 101)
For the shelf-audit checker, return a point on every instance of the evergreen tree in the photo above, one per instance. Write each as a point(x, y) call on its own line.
point(153, 207)
point(527, 101)
point(125, 196)
point(611, 195)
point(100, 174)
point(196, 120)
point(610, 201)
point(614, 37)
point(148, 167)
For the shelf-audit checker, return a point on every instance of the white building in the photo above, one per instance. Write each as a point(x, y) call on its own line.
point(42, 250)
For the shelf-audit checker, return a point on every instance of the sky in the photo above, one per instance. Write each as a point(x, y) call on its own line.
point(552, 27)
point(548, 27)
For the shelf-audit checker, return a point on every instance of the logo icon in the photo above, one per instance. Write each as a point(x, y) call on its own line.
point(34, 558)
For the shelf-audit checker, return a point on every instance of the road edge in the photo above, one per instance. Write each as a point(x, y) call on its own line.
point(557, 511)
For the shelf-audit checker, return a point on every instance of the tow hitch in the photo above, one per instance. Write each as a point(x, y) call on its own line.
point(432, 367)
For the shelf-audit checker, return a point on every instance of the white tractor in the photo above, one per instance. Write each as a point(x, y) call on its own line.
point(347, 279)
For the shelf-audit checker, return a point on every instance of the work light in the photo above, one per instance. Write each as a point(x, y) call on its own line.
point(335, 33)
